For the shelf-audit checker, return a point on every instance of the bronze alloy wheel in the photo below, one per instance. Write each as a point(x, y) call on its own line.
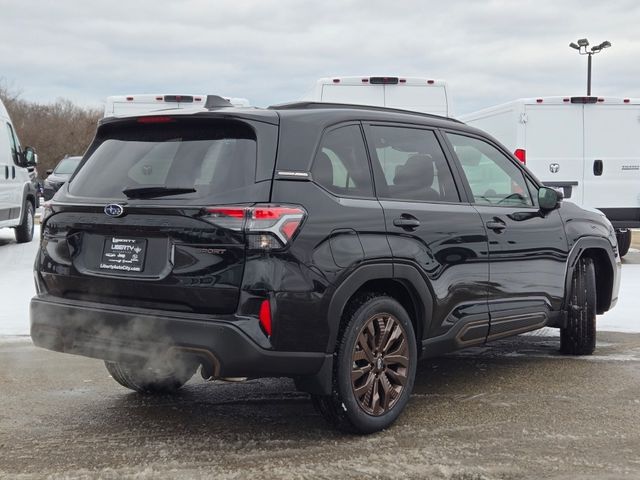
point(380, 364)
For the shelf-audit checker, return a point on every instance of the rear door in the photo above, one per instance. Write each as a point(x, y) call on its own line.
point(179, 252)
point(364, 94)
point(612, 155)
point(431, 228)
point(419, 98)
point(554, 145)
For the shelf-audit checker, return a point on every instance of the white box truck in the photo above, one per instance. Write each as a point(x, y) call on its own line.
point(122, 105)
point(587, 146)
point(419, 94)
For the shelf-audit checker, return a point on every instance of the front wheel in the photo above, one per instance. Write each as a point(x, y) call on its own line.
point(374, 368)
point(147, 378)
point(579, 335)
point(24, 231)
point(624, 241)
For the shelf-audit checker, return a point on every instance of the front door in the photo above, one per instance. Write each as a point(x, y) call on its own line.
point(527, 248)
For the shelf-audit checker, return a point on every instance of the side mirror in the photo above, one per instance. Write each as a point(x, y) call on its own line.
point(30, 157)
point(49, 172)
point(548, 198)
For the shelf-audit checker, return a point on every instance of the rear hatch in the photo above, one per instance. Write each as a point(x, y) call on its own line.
point(135, 226)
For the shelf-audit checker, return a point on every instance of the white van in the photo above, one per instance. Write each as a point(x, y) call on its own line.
point(17, 192)
point(122, 105)
point(419, 94)
point(587, 146)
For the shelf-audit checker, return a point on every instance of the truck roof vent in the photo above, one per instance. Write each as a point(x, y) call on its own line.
point(215, 101)
point(584, 99)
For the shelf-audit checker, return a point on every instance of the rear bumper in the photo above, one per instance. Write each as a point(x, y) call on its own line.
point(132, 335)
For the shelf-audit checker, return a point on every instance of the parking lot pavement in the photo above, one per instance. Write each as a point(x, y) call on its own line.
point(514, 409)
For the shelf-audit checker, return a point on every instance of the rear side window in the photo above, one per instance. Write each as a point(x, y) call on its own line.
point(341, 164)
point(212, 157)
point(413, 166)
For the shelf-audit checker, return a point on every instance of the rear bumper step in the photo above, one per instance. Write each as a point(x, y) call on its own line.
point(130, 336)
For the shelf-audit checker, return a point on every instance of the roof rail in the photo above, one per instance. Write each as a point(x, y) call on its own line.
point(321, 105)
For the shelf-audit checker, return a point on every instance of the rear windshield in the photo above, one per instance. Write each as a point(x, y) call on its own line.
point(67, 165)
point(212, 157)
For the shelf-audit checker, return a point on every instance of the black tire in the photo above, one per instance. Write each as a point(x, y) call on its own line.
point(624, 242)
point(24, 231)
point(579, 336)
point(383, 363)
point(145, 379)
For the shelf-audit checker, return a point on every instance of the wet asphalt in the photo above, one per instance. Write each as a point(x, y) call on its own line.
point(512, 409)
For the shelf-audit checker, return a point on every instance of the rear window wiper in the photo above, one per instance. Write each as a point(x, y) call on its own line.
point(153, 191)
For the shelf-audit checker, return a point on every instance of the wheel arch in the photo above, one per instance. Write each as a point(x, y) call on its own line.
point(600, 251)
point(401, 282)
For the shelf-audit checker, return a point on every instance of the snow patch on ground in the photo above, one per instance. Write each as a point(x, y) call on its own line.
point(17, 288)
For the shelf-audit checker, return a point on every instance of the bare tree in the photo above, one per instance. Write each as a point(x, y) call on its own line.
point(54, 130)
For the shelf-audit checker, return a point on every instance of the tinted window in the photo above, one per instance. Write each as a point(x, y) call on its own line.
point(13, 143)
point(341, 165)
point(212, 157)
point(67, 165)
point(492, 176)
point(413, 165)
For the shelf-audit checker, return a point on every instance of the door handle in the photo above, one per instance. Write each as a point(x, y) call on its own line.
point(496, 225)
point(6, 172)
point(407, 222)
point(13, 172)
point(597, 167)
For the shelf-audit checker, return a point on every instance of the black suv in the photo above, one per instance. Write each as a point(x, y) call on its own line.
point(332, 244)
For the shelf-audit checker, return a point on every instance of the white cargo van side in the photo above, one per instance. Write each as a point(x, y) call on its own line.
point(17, 193)
point(418, 94)
point(123, 105)
point(588, 146)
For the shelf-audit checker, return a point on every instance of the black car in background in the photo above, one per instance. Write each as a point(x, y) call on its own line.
point(332, 244)
point(59, 175)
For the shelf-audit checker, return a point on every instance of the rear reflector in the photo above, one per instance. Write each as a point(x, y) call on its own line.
point(584, 99)
point(521, 155)
point(155, 120)
point(265, 316)
point(383, 80)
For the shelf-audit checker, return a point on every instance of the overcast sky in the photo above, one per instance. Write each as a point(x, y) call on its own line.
point(272, 51)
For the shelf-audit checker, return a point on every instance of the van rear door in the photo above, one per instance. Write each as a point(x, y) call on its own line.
point(353, 94)
point(612, 155)
point(554, 146)
point(419, 98)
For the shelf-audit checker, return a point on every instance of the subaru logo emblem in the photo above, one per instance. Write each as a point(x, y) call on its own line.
point(114, 210)
point(554, 167)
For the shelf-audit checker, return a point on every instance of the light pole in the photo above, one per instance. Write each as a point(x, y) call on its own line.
point(583, 49)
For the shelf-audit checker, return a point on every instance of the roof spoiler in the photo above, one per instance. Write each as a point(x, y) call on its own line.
point(215, 101)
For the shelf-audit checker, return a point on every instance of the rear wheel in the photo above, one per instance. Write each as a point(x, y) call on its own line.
point(579, 336)
point(24, 231)
point(374, 367)
point(624, 241)
point(149, 378)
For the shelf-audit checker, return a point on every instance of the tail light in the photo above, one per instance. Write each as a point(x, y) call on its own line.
point(267, 226)
point(521, 154)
